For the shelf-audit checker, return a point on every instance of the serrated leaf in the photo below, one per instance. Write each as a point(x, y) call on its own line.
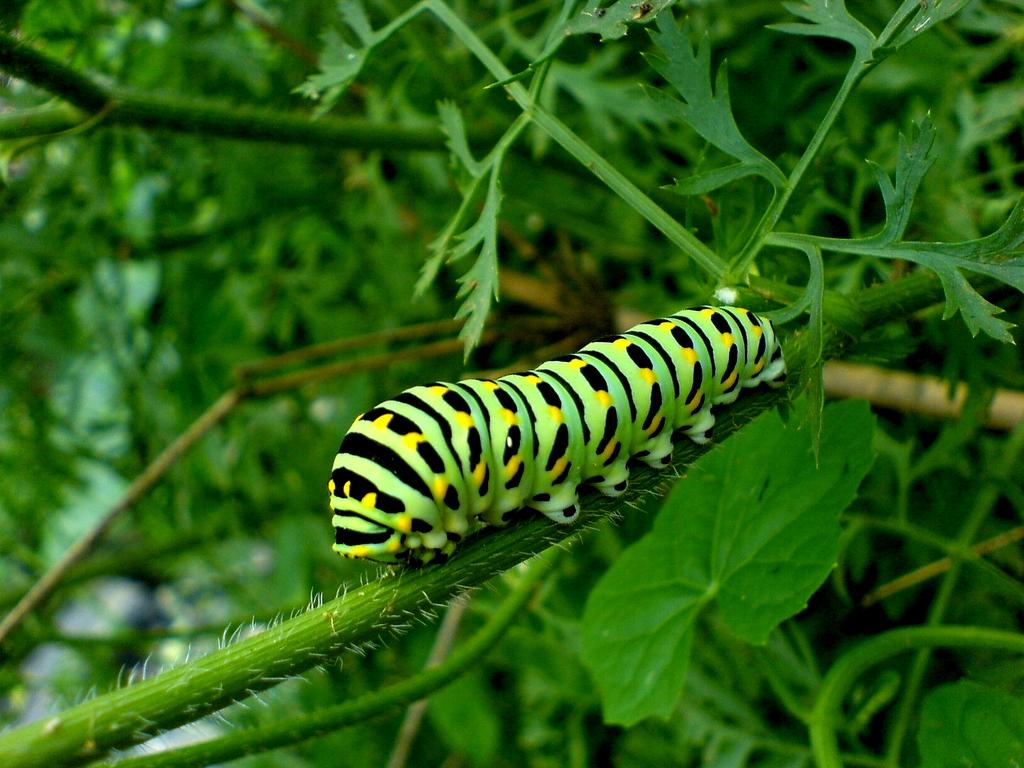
point(341, 63)
point(913, 162)
point(752, 527)
point(707, 111)
point(479, 285)
point(829, 18)
point(928, 14)
point(454, 128)
point(967, 724)
point(613, 22)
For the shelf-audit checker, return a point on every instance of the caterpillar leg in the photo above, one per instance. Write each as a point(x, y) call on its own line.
point(700, 431)
point(560, 508)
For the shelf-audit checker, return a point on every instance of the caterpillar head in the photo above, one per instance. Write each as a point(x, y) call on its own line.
point(377, 518)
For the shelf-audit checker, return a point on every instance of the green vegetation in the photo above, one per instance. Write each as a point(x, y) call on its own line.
point(228, 227)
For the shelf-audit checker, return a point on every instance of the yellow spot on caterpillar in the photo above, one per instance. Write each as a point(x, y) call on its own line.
point(759, 365)
point(730, 381)
point(577, 362)
point(369, 500)
point(708, 312)
point(330, 487)
point(404, 524)
point(412, 439)
point(648, 375)
point(360, 551)
point(438, 390)
point(690, 355)
point(491, 385)
point(440, 487)
point(697, 402)
point(655, 425)
point(534, 379)
point(607, 452)
point(382, 421)
point(559, 467)
point(478, 473)
point(757, 330)
point(556, 414)
point(667, 325)
point(347, 489)
point(464, 419)
point(509, 416)
point(394, 545)
point(727, 340)
point(621, 343)
point(603, 398)
point(513, 465)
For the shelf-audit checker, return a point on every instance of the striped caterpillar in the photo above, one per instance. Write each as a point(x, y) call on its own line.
point(417, 473)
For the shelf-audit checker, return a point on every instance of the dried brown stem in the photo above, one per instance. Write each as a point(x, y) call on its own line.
point(914, 393)
point(443, 643)
point(930, 571)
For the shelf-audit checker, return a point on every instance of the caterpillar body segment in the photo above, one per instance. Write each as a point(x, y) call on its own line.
point(417, 473)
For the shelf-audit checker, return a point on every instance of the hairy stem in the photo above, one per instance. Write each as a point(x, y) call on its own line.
point(296, 729)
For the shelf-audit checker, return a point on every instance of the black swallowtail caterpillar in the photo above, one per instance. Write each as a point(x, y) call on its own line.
point(418, 472)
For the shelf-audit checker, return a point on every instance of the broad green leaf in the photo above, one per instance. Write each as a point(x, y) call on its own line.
point(707, 111)
point(752, 527)
point(967, 725)
point(613, 22)
point(465, 720)
point(829, 18)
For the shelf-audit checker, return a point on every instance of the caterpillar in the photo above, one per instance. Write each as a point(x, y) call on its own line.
point(417, 473)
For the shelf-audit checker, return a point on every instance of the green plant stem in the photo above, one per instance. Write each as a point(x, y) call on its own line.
point(293, 730)
point(707, 259)
point(113, 105)
point(826, 715)
point(980, 511)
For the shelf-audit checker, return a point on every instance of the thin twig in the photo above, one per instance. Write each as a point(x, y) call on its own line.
point(349, 344)
point(48, 582)
point(258, 18)
point(438, 653)
point(938, 567)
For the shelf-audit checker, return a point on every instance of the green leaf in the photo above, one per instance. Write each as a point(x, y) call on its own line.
point(927, 14)
point(752, 526)
point(913, 162)
point(480, 283)
point(466, 720)
point(455, 129)
point(707, 111)
point(829, 18)
point(613, 22)
point(341, 63)
point(967, 725)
